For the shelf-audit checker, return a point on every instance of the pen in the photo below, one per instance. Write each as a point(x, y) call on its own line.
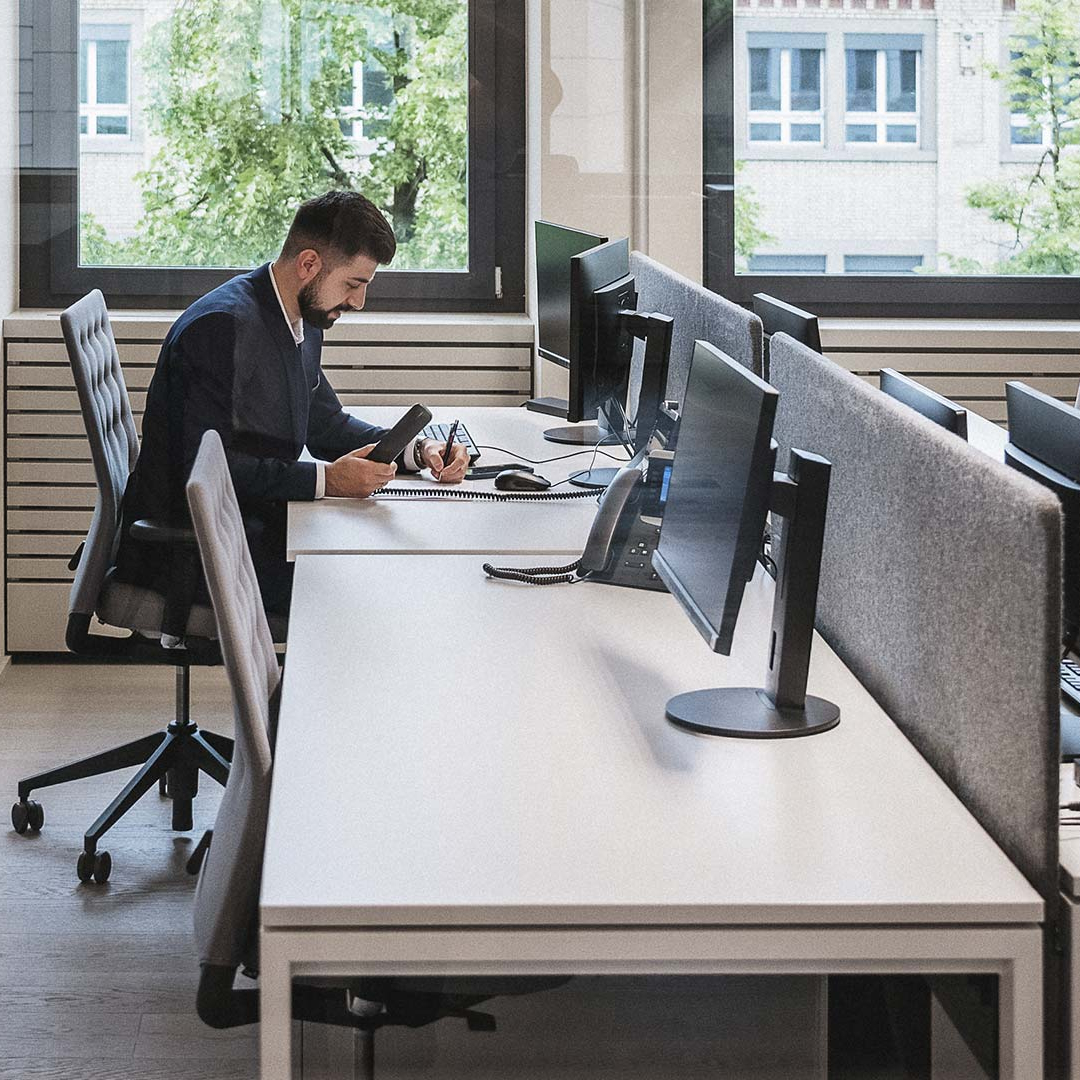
point(449, 444)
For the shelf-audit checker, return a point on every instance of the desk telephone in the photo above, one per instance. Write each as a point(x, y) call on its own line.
point(623, 536)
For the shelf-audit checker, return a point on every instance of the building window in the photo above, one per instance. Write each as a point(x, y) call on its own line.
point(366, 105)
point(250, 108)
point(785, 92)
point(882, 89)
point(882, 264)
point(105, 81)
point(786, 264)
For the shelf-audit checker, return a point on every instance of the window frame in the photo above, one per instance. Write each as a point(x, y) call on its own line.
point(786, 116)
point(49, 194)
point(91, 110)
point(837, 295)
point(880, 117)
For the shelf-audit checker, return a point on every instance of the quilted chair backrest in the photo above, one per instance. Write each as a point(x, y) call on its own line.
point(114, 444)
point(227, 895)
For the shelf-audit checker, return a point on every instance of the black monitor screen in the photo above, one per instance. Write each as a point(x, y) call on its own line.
point(554, 247)
point(1044, 443)
point(719, 492)
point(922, 399)
point(780, 318)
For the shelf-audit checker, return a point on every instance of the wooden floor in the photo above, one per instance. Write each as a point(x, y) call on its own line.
point(99, 980)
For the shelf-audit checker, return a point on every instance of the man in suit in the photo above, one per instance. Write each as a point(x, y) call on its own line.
point(245, 361)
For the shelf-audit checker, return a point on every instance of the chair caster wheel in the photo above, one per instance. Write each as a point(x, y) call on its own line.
point(94, 867)
point(27, 816)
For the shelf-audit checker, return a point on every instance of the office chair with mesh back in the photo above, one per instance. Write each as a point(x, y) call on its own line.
point(172, 758)
point(229, 859)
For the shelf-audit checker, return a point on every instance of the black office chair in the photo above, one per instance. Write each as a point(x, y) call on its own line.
point(229, 859)
point(172, 758)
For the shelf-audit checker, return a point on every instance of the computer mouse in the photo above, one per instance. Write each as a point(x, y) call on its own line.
point(519, 480)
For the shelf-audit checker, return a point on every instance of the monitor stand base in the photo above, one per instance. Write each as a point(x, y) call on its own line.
point(578, 435)
point(745, 713)
point(594, 478)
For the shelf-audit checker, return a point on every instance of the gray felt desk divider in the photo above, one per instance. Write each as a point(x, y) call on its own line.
point(941, 590)
point(698, 313)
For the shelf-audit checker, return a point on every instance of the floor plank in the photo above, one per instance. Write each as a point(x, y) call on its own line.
point(99, 981)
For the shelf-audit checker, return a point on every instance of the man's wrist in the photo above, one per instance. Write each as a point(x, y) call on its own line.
point(418, 453)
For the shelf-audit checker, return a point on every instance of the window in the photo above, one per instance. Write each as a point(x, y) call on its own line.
point(976, 216)
point(366, 104)
point(420, 106)
point(882, 87)
point(785, 94)
point(105, 81)
point(787, 264)
point(882, 264)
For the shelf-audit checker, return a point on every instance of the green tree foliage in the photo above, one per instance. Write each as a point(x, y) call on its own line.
point(749, 235)
point(248, 99)
point(1041, 208)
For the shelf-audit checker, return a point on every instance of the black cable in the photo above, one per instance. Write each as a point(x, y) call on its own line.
point(537, 575)
point(420, 492)
point(562, 457)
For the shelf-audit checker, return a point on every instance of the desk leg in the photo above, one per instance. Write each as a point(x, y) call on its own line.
point(275, 1007)
point(1021, 1009)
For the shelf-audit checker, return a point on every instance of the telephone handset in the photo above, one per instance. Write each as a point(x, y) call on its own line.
point(623, 536)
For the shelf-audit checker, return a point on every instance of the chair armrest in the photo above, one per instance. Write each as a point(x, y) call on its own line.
point(153, 532)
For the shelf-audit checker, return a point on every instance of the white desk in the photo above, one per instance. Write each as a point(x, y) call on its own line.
point(451, 526)
point(987, 436)
point(542, 815)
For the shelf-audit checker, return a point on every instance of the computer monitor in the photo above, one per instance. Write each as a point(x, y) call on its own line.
point(722, 485)
point(923, 400)
point(588, 322)
point(1044, 443)
point(555, 245)
point(780, 318)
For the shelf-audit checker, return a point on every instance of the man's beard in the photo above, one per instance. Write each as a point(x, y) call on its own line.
point(308, 299)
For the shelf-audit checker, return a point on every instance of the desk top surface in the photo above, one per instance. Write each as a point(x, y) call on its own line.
point(523, 773)
point(440, 526)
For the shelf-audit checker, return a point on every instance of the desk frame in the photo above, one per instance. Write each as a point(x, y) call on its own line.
point(1014, 954)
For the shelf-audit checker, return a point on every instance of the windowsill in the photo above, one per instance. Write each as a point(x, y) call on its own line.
point(369, 326)
point(979, 334)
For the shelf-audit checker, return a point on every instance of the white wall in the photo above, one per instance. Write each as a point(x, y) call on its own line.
point(618, 103)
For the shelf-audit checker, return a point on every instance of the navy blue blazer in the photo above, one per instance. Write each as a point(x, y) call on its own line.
point(230, 363)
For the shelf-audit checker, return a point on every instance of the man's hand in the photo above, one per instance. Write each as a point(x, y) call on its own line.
point(431, 453)
point(352, 476)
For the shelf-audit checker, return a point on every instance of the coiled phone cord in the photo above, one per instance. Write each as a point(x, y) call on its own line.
point(537, 575)
point(419, 492)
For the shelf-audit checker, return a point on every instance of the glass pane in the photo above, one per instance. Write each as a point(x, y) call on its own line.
point(244, 101)
point(900, 133)
point(764, 132)
point(112, 125)
point(1026, 136)
point(84, 48)
point(787, 264)
point(900, 80)
point(861, 80)
point(882, 264)
point(112, 78)
point(805, 80)
point(981, 207)
point(82, 125)
point(861, 133)
point(765, 80)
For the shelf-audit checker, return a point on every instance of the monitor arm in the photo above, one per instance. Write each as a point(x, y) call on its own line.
point(655, 330)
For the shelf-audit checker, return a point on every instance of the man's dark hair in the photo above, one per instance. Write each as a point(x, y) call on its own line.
point(341, 225)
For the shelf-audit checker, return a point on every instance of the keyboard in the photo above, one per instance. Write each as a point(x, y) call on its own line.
point(439, 432)
point(1070, 681)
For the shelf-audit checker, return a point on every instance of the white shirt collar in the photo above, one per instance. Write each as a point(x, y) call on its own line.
point(295, 328)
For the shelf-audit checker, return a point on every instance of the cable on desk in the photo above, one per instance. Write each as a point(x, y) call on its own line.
point(594, 450)
point(420, 492)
